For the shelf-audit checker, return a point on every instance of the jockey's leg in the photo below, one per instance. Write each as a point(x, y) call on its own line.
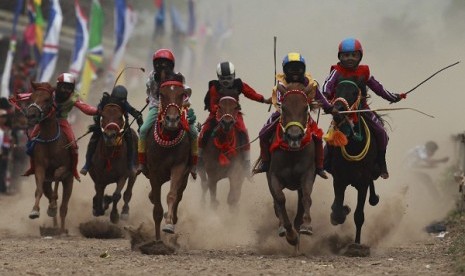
point(319, 157)
point(193, 134)
point(69, 134)
point(381, 141)
point(30, 148)
point(265, 141)
point(328, 154)
point(91, 147)
point(144, 129)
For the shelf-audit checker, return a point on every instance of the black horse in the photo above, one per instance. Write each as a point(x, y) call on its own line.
point(354, 163)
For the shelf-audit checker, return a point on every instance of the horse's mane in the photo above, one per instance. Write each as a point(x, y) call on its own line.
point(42, 86)
point(173, 77)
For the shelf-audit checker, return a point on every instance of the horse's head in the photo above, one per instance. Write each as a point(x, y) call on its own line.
point(348, 95)
point(173, 95)
point(294, 113)
point(112, 123)
point(42, 106)
point(228, 108)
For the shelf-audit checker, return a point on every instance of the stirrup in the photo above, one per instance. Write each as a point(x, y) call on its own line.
point(83, 171)
point(261, 167)
point(322, 173)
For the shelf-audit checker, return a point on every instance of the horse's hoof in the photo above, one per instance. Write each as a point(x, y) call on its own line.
point(34, 214)
point(346, 210)
point(169, 228)
point(124, 216)
point(293, 240)
point(52, 212)
point(373, 200)
point(357, 250)
point(114, 218)
point(281, 231)
point(306, 230)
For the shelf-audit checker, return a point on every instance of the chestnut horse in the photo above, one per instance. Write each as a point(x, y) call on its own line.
point(110, 163)
point(168, 152)
point(221, 158)
point(293, 161)
point(52, 161)
point(353, 164)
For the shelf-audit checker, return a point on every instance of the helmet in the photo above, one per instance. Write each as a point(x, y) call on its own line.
point(165, 54)
point(120, 92)
point(350, 45)
point(293, 58)
point(431, 146)
point(294, 67)
point(226, 73)
point(66, 78)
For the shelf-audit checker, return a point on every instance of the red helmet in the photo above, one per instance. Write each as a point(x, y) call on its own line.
point(163, 53)
point(350, 45)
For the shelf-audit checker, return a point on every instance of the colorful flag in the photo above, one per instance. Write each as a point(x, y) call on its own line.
point(125, 20)
point(34, 34)
point(49, 56)
point(94, 55)
point(81, 41)
point(11, 53)
point(159, 20)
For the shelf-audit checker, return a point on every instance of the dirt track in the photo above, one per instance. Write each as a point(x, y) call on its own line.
point(216, 243)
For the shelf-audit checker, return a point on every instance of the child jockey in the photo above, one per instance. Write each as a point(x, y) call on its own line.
point(65, 100)
point(350, 54)
point(294, 71)
point(118, 96)
point(227, 82)
point(163, 60)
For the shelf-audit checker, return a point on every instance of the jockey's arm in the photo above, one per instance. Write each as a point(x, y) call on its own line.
point(330, 84)
point(250, 93)
point(327, 107)
point(379, 90)
point(86, 108)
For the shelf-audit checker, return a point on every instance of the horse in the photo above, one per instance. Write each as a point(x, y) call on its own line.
point(168, 152)
point(52, 161)
point(221, 158)
point(292, 163)
point(110, 163)
point(353, 164)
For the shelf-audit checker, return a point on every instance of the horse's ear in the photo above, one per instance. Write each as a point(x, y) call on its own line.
point(188, 91)
point(281, 88)
point(33, 85)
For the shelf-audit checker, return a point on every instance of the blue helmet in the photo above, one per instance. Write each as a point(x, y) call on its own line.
point(293, 57)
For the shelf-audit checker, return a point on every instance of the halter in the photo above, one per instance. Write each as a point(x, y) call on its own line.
point(113, 124)
point(356, 104)
point(42, 117)
point(220, 118)
point(294, 123)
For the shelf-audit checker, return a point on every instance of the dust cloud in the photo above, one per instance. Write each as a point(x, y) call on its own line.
point(404, 42)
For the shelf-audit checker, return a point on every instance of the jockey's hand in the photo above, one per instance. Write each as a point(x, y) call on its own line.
point(400, 97)
point(139, 119)
point(147, 100)
point(267, 101)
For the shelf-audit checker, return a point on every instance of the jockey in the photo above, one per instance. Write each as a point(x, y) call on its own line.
point(350, 54)
point(163, 60)
point(66, 99)
point(422, 156)
point(294, 71)
point(218, 88)
point(118, 96)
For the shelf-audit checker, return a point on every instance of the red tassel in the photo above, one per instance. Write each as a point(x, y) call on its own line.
point(339, 139)
point(224, 161)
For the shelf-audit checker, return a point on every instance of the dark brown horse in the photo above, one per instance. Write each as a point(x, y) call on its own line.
point(293, 162)
point(353, 164)
point(52, 161)
point(221, 157)
point(110, 163)
point(168, 153)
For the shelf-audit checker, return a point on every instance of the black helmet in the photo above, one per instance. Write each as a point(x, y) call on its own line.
point(120, 92)
point(431, 146)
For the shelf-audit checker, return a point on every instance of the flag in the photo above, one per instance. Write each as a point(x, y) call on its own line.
point(11, 53)
point(81, 41)
point(39, 25)
point(125, 20)
point(159, 20)
point(177, 23)
point(192, 21)
point(94, 55)
point(34, 34)
point(49, 56)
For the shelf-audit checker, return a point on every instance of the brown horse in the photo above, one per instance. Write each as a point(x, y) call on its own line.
point(110, 163)
point(52, 161)
point(221, 158)
point(168, 153)
point(293, 162)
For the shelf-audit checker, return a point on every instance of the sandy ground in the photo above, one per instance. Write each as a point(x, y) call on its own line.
point(221, 242)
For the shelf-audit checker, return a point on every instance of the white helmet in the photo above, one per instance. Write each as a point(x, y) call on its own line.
point(226, 73)
point(66, 78)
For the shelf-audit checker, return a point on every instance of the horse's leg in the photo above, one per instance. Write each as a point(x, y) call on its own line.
point(97, 201)
point(178, 177)
point(374, 198)
point(280, 207)
point(300, 211)
point(235, 187)
point(40, 177)
point(155, 198)
point(339, 211)
point(127, 197)
point(306, 199)
point(114, 215)
point(212, 186)
point(359, 215)
point(204, 183)
point(67, 190)
point(180, 193)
